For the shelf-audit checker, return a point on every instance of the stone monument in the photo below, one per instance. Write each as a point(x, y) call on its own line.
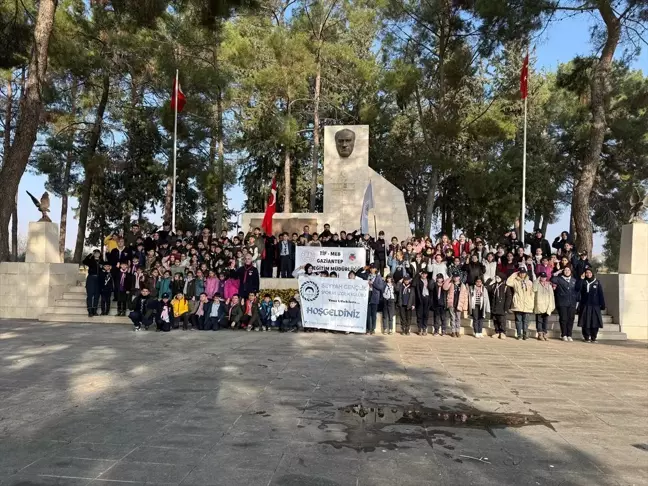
point(28, 288)
point(626, 292)
point(346, 176)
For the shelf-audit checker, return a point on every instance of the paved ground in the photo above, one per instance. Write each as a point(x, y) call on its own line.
point(98, 404)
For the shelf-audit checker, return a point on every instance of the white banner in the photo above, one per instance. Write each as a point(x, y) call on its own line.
point(340, 260)
point(336, 304)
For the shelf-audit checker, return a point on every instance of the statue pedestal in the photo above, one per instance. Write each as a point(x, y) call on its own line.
point(43, 243)
point(626, 293)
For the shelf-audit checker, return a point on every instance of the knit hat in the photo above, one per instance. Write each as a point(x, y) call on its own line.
point(542, 274)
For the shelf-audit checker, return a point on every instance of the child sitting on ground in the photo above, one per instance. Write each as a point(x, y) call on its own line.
point(265, 312)
point(277, 312)
point(291, 321)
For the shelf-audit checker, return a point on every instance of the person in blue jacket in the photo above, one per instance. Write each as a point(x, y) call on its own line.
point(566, 298)
point(591, 303)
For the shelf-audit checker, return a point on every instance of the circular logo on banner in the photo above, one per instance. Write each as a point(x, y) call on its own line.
point(309, 291)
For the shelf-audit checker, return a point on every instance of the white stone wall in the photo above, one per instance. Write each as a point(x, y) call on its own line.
point(28, 289)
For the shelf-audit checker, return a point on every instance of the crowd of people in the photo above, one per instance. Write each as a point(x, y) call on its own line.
point(207, 282)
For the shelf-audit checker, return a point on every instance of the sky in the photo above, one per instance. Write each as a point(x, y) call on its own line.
point(560, 42)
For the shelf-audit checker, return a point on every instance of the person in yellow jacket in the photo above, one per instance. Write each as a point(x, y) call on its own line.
point(180, 311)
point(544, 304)
point(110, 243)
point(523, 301)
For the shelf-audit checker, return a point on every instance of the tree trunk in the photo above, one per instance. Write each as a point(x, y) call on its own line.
point(212, 202)
point(7, 125)
point(220, 183)
point(600, 89)
point(537, 219)
point(69, 159)
point(86, 189)
point(316, 130)
point(28, 120)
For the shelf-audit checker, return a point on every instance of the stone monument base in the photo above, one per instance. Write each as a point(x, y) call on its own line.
point(28, 289)
point(626, 292)
point(43, 243)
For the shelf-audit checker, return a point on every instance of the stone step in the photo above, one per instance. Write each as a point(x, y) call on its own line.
point(78, 289)
point(84, 318)
point(74, 296)
point(77, 310)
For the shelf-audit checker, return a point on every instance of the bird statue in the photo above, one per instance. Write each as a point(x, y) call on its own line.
point(638, 206)
point(43, 206)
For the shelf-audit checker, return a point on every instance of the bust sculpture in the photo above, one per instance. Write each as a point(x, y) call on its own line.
point(345, 142)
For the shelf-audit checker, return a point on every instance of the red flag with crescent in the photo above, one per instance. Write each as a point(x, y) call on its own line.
point(271, 209)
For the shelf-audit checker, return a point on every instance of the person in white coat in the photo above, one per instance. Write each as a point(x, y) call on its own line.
point(479, 306)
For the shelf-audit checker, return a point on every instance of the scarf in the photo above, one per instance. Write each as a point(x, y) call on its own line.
point(122, 281)
point(589, 282)
point(388, 294)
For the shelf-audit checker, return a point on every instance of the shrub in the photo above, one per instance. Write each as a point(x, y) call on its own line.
point(284, 294)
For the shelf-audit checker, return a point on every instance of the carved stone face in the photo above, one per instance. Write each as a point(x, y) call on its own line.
point(345, 142)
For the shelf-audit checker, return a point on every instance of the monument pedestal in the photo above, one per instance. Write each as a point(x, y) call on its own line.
point(28, 288)
point(43, 243)
point(346, 177)
point(626, 293)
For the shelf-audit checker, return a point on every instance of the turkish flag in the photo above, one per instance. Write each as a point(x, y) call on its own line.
point(181, 100)
point(524, 78)
point(271, 209)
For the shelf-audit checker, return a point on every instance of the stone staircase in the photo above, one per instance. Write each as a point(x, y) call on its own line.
point(72, 308)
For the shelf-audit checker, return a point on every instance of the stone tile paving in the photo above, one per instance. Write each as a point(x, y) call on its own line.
point(84, 404)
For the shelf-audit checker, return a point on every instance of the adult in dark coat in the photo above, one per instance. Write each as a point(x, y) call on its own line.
point(286, 257)
point(249, 278)
point(375, 293)
point(592, 302)
point(438, 305)
point(538, 241)
point(566, 298)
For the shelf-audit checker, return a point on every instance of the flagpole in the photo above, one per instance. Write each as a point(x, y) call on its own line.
point(175, 151)
point(524, 158)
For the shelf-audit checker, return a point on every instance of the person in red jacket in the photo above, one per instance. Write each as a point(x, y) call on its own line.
point(461, 245)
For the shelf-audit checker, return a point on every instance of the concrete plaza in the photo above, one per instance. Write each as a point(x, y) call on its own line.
point(102, 405)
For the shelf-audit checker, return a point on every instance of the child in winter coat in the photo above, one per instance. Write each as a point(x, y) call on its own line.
point(177, 285)
point(439, 266)
point(406, 304)
point(291, 321)
point(523, 301)
point(163, 286)
point(106, 288)
point(180, 311)
point(438, 301)
point(234, 312)
point(231, 285)
point(164, 314)
point(389, 306)
point(211, 284)
point(277, 312)
point(544, 304)
point(457, 302)
point(500, 303)
point(479, 306)
point(265, 312)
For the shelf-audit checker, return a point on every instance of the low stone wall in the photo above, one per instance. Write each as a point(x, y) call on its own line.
point(28, 289)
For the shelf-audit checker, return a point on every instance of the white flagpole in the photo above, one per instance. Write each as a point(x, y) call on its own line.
point(524, 157)
point(175, 150)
